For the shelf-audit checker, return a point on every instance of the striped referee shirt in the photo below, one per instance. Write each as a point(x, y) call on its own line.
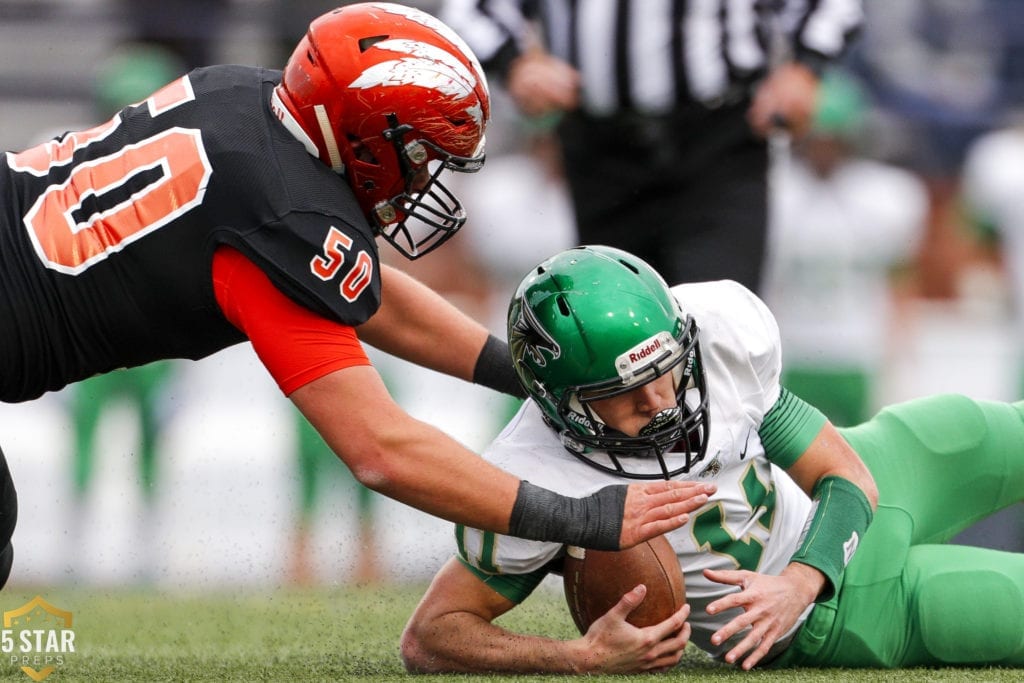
point(649, 56)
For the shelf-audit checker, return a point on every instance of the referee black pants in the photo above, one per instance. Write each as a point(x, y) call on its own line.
point(686, 192)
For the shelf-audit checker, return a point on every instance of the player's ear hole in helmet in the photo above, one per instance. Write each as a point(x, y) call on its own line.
point(595, 322)
point(391, 97)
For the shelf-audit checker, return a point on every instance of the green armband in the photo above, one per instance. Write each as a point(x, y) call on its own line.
point(839, 517)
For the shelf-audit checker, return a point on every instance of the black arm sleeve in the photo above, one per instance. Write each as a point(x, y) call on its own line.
point(494, 369)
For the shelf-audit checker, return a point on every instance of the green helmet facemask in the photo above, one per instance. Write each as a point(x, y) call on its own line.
point(595, 322)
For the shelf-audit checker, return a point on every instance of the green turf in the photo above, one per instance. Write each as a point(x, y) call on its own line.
point(322, 635)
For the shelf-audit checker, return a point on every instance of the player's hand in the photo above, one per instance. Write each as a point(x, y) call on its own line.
point(542, 84)
point(770, 604)
point(614, 646)
point(657, 507)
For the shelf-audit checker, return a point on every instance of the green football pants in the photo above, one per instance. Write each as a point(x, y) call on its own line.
point(908, 599)
point(141, 385)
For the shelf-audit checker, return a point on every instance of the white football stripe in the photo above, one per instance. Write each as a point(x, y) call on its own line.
point(330, 143)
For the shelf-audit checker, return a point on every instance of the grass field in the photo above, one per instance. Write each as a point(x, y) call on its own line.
point(322, 635)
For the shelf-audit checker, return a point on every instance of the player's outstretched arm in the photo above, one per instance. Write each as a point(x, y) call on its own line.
point(408, 460)
point(417, 324)
point(452, 631)
point(401, 457)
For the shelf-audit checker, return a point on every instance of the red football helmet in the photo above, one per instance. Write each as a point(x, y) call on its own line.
point(390, 96)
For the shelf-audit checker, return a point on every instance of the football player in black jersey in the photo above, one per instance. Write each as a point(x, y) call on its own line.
point(242, 204)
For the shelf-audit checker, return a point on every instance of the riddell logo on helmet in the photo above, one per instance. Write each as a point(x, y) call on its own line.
point(640, 357)
point(648, 349)
point(579, 419)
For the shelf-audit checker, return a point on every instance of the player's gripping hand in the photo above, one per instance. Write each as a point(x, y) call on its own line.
point(771, 605)
point(614, 646)
point(657, 507)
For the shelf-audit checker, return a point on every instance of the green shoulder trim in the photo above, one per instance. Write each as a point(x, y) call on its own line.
point(515, 587)
point(789, 428)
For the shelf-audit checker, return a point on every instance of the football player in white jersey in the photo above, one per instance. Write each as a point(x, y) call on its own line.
point(798, 558)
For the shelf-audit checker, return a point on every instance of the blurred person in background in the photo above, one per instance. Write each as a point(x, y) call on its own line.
point(993, 171)
point(940, 74)
point(993, 198)
point(319, 472)
point(844, 229)
point(664, 110)
point(242, 204)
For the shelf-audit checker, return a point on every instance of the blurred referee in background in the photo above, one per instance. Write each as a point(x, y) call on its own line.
point(664, 109)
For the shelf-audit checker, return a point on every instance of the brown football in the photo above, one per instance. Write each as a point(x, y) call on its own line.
point(595, 580)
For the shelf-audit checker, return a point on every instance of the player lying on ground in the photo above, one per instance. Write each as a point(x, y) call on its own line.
point(239, 203)
point(629, 378)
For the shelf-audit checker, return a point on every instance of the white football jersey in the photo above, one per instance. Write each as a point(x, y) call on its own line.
point(834, 244)
point(753, 521)
point(994, 190)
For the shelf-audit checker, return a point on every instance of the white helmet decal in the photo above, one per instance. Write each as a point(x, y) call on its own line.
point(430, 52)
point(426, 66)
point(438, 26)
point(529, 334)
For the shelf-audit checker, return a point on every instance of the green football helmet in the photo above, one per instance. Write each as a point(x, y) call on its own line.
point(593, 322)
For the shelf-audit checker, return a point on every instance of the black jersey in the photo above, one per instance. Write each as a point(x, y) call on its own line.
point(107, 235)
